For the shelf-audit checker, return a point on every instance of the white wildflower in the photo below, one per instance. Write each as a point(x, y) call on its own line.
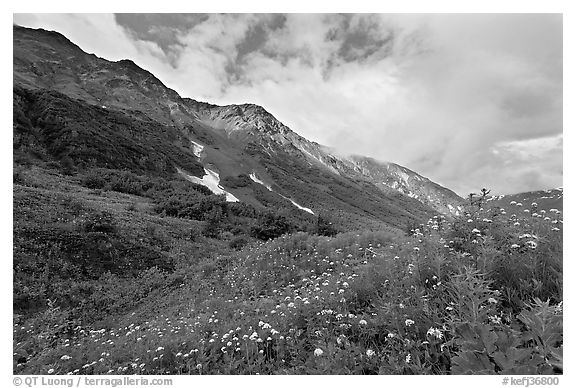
point(434, 332)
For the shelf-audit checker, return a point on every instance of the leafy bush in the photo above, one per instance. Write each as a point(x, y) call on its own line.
point(325, 227)
point(238, 242)
point(270, 225)
point(93, 180)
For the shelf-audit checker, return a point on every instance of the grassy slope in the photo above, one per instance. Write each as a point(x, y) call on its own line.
point(348, 296)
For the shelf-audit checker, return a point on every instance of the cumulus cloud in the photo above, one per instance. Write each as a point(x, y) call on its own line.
point(462, 99)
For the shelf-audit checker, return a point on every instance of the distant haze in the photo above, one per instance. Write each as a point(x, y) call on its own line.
point(468, 100)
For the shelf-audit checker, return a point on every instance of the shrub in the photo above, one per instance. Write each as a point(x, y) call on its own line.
point(325, 227)
point(213, 224)
point(238, 242)
point(270, 225)
point(93, 180)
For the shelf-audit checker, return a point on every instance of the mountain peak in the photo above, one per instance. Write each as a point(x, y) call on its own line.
point(232, 140)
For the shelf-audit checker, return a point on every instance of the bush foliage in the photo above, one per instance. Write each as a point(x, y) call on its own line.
point(234, 289)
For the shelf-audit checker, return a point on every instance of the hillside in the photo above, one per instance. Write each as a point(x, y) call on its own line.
point(236, 140)
point(155, 234)
point(540, 200)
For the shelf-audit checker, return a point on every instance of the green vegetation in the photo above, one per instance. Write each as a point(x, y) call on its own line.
point(109, 279)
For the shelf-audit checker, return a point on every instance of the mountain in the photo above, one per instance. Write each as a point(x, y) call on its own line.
point(76, 107)
point(151, 232)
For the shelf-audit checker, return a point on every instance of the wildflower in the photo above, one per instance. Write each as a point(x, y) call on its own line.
point(401, 305)
point(318, 352)
point(408, 357)
point(362, 322)
point(434, 332)
point(159, 348)
point(514, 246)
point(370, 352)
point(494, 319)
point(492, 301)
point(65, 357)
point(475, 230)
point(532, 244)
point(391, 335)
point(409, 322)
point(199, 366)
point(51, 370)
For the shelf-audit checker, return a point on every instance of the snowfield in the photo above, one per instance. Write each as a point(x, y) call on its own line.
point(197, 148)
point(212, 181)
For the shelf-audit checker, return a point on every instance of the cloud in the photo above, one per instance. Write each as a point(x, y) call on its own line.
point(458, 98)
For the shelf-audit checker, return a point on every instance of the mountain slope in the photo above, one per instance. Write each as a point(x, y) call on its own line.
point(203, 142)
point(530, 202)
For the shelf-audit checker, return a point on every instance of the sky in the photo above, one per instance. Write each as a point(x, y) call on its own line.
point(467, 100)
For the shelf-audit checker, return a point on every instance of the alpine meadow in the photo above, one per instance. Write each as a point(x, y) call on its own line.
point(157, 234)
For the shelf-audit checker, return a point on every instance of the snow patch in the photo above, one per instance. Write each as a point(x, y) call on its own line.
point(255, 179)
point(259, 181)
point(298, 206)
point(197, 148)
point(212, 181)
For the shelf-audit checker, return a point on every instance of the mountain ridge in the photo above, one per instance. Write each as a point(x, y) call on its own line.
point(233, 140)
